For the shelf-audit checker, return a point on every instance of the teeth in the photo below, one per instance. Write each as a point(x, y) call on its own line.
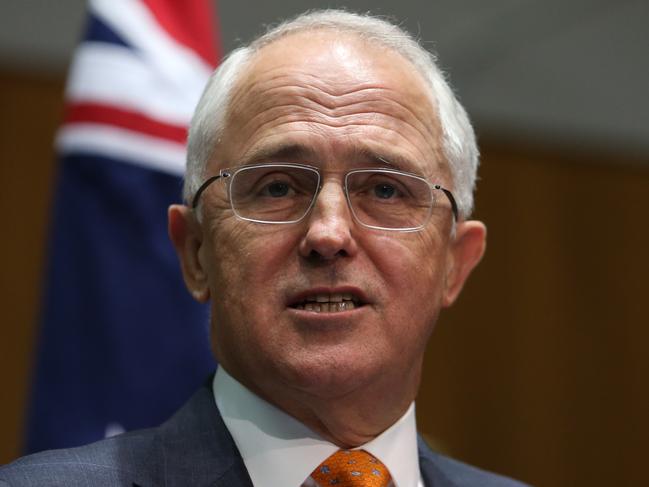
point(328, 303)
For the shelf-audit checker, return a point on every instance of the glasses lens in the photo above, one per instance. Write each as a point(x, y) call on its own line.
point(273, 193)
point(389, 199)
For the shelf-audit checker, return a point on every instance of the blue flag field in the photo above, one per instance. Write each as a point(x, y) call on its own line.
point(121, 343)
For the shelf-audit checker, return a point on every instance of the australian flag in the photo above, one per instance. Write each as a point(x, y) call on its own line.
point(121, 343)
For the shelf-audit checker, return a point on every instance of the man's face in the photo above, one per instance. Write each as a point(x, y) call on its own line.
point(337, 103)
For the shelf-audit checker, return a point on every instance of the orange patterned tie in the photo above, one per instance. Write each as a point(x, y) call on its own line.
point(351, 468)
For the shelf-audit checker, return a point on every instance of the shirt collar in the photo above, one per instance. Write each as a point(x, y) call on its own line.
point(279, 451)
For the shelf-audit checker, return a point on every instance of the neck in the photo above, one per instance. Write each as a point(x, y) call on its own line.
point(350, 418)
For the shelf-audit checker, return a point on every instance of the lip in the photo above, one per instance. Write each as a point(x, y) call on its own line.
point(301, 296)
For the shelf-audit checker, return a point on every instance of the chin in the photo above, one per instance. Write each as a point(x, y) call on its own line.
point(329, 377)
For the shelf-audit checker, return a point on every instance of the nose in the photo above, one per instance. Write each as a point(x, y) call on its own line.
point(329, 226)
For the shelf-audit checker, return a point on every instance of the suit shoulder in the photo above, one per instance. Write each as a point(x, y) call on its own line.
point(459, 474)
point(126, 459)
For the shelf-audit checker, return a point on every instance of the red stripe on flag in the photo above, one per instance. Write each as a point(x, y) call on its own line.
point(109, 115)
point(190, 23)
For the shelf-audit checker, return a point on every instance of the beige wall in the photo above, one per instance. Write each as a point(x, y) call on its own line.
point(540, 371)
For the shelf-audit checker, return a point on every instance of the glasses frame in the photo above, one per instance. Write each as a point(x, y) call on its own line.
point(228, 175)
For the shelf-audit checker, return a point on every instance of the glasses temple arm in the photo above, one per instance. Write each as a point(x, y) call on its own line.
point(202, 188)
point(451, 198)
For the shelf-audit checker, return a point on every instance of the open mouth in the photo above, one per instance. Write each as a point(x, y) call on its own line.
point(328, 303)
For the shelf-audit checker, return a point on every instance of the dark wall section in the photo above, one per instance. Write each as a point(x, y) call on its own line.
point(541, 368)
point(30, 110)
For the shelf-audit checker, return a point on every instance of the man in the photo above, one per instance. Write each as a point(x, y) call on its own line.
point(329, 181)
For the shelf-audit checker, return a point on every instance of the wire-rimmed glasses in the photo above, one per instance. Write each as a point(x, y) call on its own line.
point(282, 193)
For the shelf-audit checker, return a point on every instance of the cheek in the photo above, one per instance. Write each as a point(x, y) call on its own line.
point(413, 262)
point(413, 267)
point(244, 267)
point(247, 259)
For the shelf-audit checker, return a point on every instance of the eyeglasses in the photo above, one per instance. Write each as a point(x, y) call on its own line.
point(382, 199)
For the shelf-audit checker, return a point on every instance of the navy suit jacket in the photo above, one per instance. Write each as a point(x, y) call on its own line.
point(193, 448)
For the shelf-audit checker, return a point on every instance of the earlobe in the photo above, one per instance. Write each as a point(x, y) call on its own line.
point(466, 251)
point(187, 238)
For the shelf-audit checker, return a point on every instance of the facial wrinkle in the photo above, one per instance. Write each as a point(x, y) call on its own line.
point(357, 114)
point(383, 101)
point(425, 113)
point(333, 88)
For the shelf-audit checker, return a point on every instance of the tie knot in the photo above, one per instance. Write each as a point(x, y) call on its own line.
point(351, 468)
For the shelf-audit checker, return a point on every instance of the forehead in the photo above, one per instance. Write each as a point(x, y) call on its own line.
point(330, 93)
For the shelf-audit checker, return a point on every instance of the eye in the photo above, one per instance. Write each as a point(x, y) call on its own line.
point(384, 191)
point(276, 189)
point(380, 187)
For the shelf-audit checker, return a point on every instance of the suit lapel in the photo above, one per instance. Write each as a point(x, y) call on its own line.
point(197, 448)
point(431, 473)
point(237, 476)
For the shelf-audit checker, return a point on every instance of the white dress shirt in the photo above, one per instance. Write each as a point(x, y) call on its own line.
point(279, 451)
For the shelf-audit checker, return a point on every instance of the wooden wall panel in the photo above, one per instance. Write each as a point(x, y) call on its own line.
point(540, 370)
point(30, 108)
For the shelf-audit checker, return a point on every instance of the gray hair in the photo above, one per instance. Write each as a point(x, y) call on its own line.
point(458, 138)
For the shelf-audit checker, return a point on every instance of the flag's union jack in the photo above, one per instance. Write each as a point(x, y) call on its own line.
point(121, 343)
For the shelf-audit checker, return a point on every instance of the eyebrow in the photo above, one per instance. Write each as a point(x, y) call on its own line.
point(280, 152)
point(296, 152)
point(389, 158)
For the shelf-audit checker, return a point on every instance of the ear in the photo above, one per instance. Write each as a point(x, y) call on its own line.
point(186, 235)
point(465, 252)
